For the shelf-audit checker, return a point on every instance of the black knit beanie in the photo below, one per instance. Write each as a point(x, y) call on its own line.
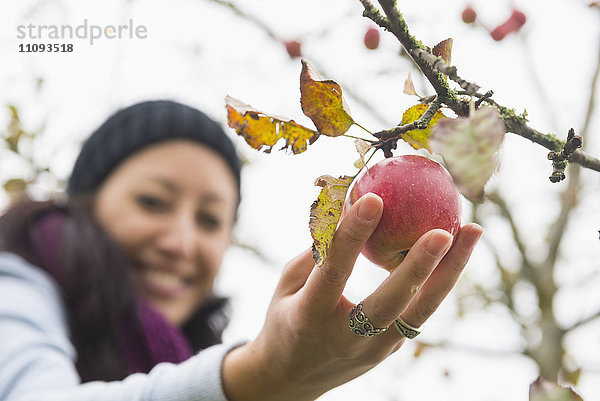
point(133, 128)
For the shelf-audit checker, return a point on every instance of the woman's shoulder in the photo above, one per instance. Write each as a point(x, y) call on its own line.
point(16, 269)
point(29, 294)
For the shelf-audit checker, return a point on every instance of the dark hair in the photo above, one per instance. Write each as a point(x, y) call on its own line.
point(96, 287)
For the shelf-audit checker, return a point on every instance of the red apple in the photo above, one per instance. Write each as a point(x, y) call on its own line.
point(469, 15)
point(418, 195)
point(371, 38)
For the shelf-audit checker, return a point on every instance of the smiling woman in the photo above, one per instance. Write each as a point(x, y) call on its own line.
point(116, 283)
point(152, 200)
point(171, 207)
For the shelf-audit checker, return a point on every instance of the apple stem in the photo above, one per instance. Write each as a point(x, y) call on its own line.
point(367, 162)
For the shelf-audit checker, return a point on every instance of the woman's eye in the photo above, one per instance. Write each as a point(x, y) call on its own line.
point(209, 221)
point(151, 203)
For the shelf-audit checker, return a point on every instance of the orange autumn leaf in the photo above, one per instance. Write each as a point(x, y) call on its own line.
point(262, 131)
point(419, 138)
point(322, 102)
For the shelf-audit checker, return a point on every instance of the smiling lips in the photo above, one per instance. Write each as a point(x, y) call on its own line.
point(163, 282)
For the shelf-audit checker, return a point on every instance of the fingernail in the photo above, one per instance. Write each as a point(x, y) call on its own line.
point(438, 244)
point(370, 204)
point(479, 234)
point(476, 236)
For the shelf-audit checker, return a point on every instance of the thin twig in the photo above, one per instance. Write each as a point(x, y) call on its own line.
point(560, 159)
point(273, 35)
point(421, 123)
point(527, 264)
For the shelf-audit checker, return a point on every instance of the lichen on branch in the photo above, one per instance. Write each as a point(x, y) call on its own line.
point(436, 70)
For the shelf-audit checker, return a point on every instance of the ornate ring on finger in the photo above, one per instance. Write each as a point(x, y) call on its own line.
point(405, 329)
point(360, 324)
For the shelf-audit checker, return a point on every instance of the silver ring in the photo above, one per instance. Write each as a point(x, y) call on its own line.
point(360, 324)
point(405, 329)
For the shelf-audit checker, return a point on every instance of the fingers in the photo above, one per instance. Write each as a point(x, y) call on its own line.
point(327, 282)
point(393, 295)
point(443, 278)
point(295, 273)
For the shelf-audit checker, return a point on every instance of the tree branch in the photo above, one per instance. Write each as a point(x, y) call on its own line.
point(421, 123)
point(273, 35)
point(437, 63)
point(397, 26)
point(426, 62)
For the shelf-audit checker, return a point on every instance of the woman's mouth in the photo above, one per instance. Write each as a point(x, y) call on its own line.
point(162, 282)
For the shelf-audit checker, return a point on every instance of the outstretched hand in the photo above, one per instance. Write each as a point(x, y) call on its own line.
point(306, 347)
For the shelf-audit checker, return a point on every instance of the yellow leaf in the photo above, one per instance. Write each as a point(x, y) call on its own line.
point(419, 138)
point(325, 213)
point(262, 130)
point(15, 185)
point(297, 136)
point(15, 188)
point(322, 102)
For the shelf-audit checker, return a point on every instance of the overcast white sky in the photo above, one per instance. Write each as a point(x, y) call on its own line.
point(197, 51)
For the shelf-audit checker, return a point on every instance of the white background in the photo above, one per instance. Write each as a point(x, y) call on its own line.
point(199, 51)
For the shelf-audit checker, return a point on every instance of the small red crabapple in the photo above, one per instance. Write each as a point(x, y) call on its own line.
point(371, 38)
point(469, 15)
point(516, 20)
point(293, 48)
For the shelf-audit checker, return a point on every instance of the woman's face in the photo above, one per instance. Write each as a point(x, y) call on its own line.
point(171, 207)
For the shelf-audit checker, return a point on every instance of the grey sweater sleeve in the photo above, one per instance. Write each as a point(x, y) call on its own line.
point(37, 358)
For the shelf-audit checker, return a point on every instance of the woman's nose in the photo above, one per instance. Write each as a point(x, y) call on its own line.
point(180, 237)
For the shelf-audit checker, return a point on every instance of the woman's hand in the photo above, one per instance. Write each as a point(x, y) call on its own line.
point(306, 347)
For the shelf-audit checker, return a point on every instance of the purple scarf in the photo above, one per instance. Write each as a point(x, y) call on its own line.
point(161, 341)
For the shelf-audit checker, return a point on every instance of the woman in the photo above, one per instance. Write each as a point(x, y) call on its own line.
point(108, 296)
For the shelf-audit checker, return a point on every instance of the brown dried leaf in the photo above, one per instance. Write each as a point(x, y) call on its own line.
point(409, 86)
point(322, 102)
point(325, 213)
point(362, 147)
point(262, 131)
point(443, 50)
